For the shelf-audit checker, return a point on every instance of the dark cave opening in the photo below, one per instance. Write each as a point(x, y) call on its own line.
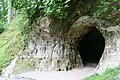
point(91, 47)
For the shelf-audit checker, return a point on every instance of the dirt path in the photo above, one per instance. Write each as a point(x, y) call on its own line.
point(76, 74)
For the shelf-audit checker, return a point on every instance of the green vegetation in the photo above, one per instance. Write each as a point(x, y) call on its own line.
point(12, 40)
point(3, 13)
point(109, 74)
point(106, 7)
point(1, 29)
point(35, 8)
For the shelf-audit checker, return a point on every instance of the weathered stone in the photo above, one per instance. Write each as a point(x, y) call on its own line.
point(48, 52)
point(59, 53)
point(111, 54)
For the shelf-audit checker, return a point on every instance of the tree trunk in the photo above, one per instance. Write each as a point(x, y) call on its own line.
point(9, 11)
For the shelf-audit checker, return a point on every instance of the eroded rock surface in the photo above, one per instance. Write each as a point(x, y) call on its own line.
point(48, 52)
point(111, 54)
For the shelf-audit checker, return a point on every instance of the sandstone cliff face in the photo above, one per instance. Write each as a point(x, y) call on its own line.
point(59, 52)
point(109, 26)
point(111, 54)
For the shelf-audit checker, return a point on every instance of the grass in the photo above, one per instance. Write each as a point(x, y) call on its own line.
point(12, 40)
point(109, 74)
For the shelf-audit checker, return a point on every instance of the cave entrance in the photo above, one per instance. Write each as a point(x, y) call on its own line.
point(91, 47)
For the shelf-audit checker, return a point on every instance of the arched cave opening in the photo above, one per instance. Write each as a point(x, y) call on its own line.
point(91, 47)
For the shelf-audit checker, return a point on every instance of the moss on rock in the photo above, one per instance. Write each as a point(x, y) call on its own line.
point(23, 65)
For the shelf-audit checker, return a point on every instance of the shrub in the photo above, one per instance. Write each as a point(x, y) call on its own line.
point(13, 39)
point(109, 74)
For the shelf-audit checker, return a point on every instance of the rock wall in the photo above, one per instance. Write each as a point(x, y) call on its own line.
point(111, 54)
point(109, 26)
point(47, 51)
point(51, 51)
point(58, 52)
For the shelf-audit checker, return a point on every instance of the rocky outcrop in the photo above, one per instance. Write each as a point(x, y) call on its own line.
point(59, 52)
point(48, 51)
point(109, 26)
point(111, 54)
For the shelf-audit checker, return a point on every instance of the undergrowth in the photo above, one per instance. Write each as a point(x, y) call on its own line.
point(109, 74)
point(13, 39)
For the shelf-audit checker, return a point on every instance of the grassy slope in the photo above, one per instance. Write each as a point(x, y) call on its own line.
point(109, 74)
point(11, 40)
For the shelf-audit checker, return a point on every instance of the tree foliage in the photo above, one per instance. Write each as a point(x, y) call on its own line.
point(107, 7)
point(35, 8)
point(3, 14)
point(3, 8)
